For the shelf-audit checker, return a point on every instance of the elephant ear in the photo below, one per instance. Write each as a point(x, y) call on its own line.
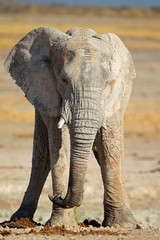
point(29, 63)
point(121, 70)
point(120, 54)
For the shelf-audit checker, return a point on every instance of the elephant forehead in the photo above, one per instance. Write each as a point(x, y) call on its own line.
point(77, 44)
point(92, 49)
point(77, 51)
point(81, 33)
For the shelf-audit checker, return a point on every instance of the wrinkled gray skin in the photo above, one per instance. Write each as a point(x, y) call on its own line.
point(83, 80)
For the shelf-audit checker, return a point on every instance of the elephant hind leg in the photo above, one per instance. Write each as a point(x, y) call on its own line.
point(109, 152)
point(39, 171)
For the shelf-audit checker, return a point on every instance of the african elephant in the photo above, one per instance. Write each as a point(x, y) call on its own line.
point(79, 84)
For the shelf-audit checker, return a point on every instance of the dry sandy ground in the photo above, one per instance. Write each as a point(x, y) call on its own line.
point(142, 165)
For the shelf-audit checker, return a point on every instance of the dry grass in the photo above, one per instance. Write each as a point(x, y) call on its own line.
point(51, 10)
point(136, 39)
point(141, 118)
point(16, 110)
point(139, 28)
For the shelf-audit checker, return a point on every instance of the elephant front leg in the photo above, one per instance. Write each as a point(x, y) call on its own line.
point(109, 151)
point(39, 172)
point(59, 142)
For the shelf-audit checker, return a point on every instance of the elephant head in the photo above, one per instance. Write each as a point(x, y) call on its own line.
point(79, 77)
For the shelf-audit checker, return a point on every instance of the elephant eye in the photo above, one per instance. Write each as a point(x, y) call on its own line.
point(64, 81)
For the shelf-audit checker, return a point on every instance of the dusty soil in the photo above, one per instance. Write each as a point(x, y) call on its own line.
point(142, 165)
point(19, 228)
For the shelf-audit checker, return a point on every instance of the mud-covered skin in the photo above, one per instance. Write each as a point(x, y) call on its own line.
point(79, 84)
point(42, 162)
point(39, 171)
point(108, 149)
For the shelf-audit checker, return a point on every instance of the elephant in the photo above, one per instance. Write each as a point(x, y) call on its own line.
point(79, 83)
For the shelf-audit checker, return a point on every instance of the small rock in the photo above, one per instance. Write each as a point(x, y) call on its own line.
point(81, 229)
point(86, 222)
point(88, 230)
point(68, 228)
point(94, 223)
point(47, 238)
point(108, 228)
point(91, 227)
point(102, 228)
point(38, 228)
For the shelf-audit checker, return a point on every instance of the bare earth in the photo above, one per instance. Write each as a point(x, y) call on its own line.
point(142, 165)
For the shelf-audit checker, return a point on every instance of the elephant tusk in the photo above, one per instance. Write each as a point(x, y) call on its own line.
point(60, 123)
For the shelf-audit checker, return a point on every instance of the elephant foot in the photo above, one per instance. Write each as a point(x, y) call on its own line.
point(120, 218)
point(64, 217)
point(23, 213)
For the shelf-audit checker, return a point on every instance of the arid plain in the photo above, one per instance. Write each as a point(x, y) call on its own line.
point(139, 29)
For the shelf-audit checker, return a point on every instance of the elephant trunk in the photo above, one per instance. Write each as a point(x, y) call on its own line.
point(81, 145)
point(83, 128)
